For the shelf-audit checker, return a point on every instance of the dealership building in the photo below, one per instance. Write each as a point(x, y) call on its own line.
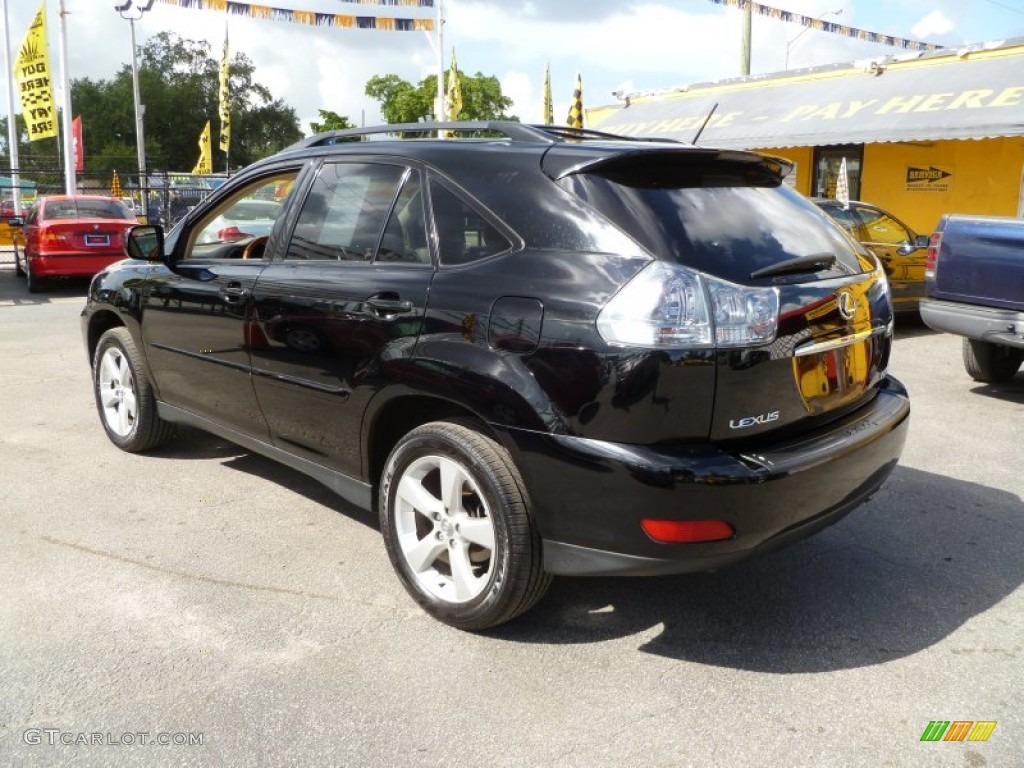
point(922, 134)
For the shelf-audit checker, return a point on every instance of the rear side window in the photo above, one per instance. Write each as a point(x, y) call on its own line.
point(728, 218)
point(463, 234)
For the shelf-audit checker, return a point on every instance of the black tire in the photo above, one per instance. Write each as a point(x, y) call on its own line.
point(32, 281)
point(117, 371)
point(991, 363)
point(505, 580)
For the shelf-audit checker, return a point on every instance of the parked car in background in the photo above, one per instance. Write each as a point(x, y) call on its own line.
point(248, 217)
point(9, 211)
point(900, 249)
point(975, 285)
point(72, 236)
point(533, 350)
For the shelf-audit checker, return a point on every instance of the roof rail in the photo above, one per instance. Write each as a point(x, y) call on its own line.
point(524, 132)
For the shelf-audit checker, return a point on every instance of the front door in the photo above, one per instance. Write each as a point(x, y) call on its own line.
point(197, 314)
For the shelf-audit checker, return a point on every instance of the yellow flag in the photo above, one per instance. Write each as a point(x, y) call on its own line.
point(205, 164)
point(32, 70)
point(575, 119)
point(454, 96)
point(225, 104)
point(549, 109)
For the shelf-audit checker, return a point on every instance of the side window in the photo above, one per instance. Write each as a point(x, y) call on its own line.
point(247, 215)
point(463, 234)
point(405, 236)
point(344, 214)
point(882, 228)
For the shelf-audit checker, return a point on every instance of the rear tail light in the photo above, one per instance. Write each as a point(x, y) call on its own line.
point(52, 238)
point(687, 531)
point(667, 305)
point(931, 257)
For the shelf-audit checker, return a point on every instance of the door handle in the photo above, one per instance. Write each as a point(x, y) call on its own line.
point(389, 306)
point(233, 293)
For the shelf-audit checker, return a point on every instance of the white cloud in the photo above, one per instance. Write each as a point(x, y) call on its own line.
point(934, 24)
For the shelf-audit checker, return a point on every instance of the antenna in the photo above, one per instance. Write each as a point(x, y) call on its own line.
point(703, 125)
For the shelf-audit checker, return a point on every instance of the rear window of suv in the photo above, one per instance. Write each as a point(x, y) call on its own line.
point(728, 218)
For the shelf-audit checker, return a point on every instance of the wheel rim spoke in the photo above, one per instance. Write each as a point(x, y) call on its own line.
point(477, 530)
point(412, 492)
point(422, 555)
point(109, 371)
point(452, 480)
point(467, 585)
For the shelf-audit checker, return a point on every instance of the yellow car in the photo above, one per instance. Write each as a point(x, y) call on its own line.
point(897, 246)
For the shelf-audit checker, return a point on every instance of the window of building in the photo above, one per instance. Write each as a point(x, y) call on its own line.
point(828, 161)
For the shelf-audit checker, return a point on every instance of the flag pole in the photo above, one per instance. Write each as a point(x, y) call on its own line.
point(70, 182)
point(12, 127)
point(440, 60)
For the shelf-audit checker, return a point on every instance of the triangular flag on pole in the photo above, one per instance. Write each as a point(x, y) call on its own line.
point(575, 119)
point(843, 185)
point(32, 70)
point(454, 96)
point(115, 185)
point(549, 107)
point(224, 102)
point(205, 164)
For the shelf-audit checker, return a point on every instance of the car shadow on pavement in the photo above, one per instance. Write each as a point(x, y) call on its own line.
point(909, 325)
point(195, 444)
point(899, 574)
point(13, 289)
point(1010, 392)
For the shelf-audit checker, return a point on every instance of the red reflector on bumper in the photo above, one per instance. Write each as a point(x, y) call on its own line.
point(687, 531)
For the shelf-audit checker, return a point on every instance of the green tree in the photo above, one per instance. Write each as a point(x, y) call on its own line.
point(332, 121)
point(178, 83)
point(402, 102)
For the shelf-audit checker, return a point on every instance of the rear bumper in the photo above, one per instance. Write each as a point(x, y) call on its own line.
point(71, 264)
point(992, 324)
point(590, 496)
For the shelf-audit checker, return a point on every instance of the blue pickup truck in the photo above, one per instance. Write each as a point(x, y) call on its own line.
point(974, 281)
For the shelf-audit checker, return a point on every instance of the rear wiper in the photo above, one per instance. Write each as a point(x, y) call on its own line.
point(811, 263)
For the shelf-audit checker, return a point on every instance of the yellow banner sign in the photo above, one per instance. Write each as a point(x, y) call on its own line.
point(32, 71)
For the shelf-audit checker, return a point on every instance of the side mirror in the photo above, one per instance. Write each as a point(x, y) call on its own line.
point(145, 242)
point(17, 221)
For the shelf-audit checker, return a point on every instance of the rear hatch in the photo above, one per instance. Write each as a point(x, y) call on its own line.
point(799, 315)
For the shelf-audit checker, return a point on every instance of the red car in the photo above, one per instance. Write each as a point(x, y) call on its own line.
point(73, 236)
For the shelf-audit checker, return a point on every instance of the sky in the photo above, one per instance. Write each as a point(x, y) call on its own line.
point(614, 45)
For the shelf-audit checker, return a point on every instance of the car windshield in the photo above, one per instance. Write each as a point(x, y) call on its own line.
point(86, 209)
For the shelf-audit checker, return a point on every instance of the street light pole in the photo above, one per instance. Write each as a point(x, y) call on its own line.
point(133, 13)
point(803, 31)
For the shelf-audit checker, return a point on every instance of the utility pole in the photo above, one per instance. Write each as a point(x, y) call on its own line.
point(12, 127)
point(748, 17)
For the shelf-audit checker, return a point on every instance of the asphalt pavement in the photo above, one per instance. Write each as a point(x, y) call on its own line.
point(204, 606)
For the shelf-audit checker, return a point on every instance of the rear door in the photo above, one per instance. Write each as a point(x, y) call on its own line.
point(344, 304)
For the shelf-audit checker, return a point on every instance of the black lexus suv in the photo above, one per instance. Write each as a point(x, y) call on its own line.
point(534, 350)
